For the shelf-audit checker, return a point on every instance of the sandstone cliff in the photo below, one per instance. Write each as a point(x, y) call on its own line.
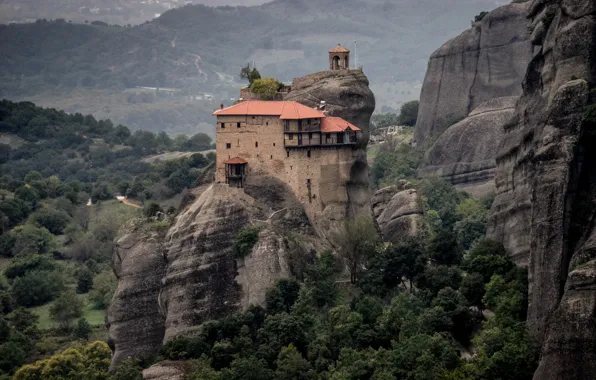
point(485, 62)
point(546, 188)
point(347, 95)
point(465, 153)
point(398, 212)
point(134, 320)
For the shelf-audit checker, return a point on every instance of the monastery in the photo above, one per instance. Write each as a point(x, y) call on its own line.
point(299, 145)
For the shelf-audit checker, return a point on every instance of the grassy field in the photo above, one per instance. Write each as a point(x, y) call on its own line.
point(94, 317)
point(114, 211)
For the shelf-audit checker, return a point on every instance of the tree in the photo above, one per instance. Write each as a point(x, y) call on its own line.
point(32, 240)
point(54, 220)
point(487, 258)
point(249, 73)
point(24, 264)
point(356, 241)
point(282, 297)
point(407, 259)
point(245, 240)
point(28, 194)
point(266, 88)
point(409, 113)
point(104, 286)
point(36, 288)
point(66, 308)
point(456, 308)
point(292, 366)
point(436, 278)
point(472, 287)
point(319, 280)
point(84, 280)
point(444, 249)
point(131, 370)
point(249, 368)
point(152, 209)
point(82, 329)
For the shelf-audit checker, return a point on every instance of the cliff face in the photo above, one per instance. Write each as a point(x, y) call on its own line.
point(347, 95)
point(465, 153)
point(485, 62)
point(134, 320)
point(545, 207)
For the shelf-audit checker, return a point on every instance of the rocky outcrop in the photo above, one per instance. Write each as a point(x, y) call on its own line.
point(465, 153)
point(167, 370)
point(398, 212)
point(134, 320)
point(545, 207)
point(347, 95)
point(485, 62)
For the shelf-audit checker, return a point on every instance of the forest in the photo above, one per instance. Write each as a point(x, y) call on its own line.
point(59, 216)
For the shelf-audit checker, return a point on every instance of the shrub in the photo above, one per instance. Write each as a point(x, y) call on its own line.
point(36, 288)
point(245, 240)
point(104, 286)
point(66, 308)
point(54, 220)
point(83, 329)
point(84, 280)
point(151, 209)
point(20, 266)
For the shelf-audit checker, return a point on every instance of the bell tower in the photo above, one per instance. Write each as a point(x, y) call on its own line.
point(339, 58)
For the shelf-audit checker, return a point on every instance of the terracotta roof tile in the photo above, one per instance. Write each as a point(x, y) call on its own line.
point(336, 124)
point(236, 161)
point(285, 110)
point(339, 49)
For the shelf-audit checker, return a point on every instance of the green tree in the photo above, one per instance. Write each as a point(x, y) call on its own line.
point(292, 366)
point(444, 249)
point(282, 296)
point(54, 220)
point(83, 329)
point(36, 288)
point(435, 278)
point(356, 242)
point(265, 88)
point(32, 240)
point(245, 240)
point(200, 369)
point(66, 308)
point(28, 194)
point(249, 73)
point(472, 287)
point(22, 265)
point(84, 280)
point(409, 113)
point(487, 258)
point(131, 370)
point(104, 286)
point(249, 368)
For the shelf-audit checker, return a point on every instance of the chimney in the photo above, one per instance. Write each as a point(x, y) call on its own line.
point(221, 106)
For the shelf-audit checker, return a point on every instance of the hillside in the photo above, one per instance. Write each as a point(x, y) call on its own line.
point(197, 50)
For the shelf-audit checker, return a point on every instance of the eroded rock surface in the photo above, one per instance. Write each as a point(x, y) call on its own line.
point(167, 370)
point(135, 323)
point(465, 153)
point(546, 187)
point(485, 62)
point(398, 212)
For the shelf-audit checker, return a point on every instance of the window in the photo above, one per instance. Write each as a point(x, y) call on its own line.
point(273, 144)
point(291, 137)
point(266, 123)
point(308, 154)
point(310, 135)
point(288, 153)
point(272, 157)
point(223, 125)
point(237, 125)
point(256, 144)
point(228, 145)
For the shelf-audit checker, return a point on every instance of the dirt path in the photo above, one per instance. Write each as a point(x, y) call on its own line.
point(127, 202)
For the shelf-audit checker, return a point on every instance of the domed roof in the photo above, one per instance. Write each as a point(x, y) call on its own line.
point(339, 49)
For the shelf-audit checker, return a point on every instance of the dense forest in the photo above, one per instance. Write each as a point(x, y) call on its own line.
point(59, 216)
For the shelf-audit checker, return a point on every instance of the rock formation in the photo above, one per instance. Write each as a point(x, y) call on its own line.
point(398, 212)
point(546, 187)
point(347, 95)
point(485, 62)
point(134, 320)
point(465, 153)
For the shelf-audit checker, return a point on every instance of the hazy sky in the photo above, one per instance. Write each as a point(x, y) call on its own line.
point(232, 2)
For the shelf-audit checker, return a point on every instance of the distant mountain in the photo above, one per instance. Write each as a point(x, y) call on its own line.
point(199, 50)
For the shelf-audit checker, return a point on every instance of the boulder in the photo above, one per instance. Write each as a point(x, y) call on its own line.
point(465, 153)
point(134, 319)
point(485, 62)
point(166, 370)
point(398, 213)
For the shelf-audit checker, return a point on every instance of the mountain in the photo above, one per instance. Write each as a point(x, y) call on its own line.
point(197, 50)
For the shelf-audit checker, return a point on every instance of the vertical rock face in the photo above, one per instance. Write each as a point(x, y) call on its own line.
point(546, 187)
point(347, 95)
point(465, 153)
point(134, 319)
point(485, 62)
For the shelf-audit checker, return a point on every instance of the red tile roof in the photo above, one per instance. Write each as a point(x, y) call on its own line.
point(339, 49)
point(236, 161)
point(336, 124)
point(285, 110)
